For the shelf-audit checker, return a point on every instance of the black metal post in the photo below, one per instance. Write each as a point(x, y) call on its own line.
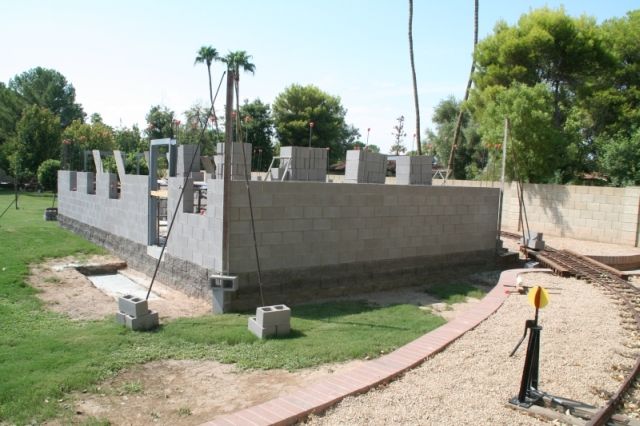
point(530, 373)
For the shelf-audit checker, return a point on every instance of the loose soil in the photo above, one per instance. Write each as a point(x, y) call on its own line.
point(65, 290)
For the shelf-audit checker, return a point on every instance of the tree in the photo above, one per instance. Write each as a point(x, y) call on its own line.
point(547, 51)
point(207, 55)
point(470, 157)
point(235, 61)
point(49, 89)
point(197, 126)
point(398, 136)
point(620, 158)
point(37, 139)
point(129, 140)
point(297, 106)
point(160, 123)
point(11, 106)
point(413, 75)
point(258, 127)
point(538, 151)
point(80, 137)
point(458, 128)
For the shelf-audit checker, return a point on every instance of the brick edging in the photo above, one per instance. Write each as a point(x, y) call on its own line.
point(319, 396)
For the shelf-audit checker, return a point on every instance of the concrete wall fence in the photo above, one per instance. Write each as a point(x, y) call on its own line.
point(603, 214)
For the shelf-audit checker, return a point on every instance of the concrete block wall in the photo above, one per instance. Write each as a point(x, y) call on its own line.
point(306, 164)
point(365, 167)
point(413, 170)
point(125, 216)
point(603, 214)
point(197, 238)
point(238, 168)
point(301, 225)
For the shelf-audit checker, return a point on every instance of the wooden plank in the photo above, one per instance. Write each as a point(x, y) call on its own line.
point(548, 414)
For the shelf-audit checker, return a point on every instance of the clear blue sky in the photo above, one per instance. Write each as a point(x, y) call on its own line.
point(124, 56)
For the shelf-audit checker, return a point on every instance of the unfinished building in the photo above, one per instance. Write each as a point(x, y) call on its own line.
point(314, 239)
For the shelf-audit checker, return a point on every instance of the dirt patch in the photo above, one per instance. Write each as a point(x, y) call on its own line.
point(188, 392)
point(65, 290)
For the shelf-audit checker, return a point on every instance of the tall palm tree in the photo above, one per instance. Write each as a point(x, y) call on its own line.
point(235, 61)
point(413, 74)
point(456, 132)
point(207, 55)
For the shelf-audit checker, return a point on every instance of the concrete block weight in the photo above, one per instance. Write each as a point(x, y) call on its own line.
point(133, 306)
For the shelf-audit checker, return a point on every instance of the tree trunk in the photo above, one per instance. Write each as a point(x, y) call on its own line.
point(213, 108)
point(413, 74)
point(456, 132)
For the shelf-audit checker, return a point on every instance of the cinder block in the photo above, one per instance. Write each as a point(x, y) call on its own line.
point(133, 306)
point(276, 315)
point(273, 330)
point(142, 323)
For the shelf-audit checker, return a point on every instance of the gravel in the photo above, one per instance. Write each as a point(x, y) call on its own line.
point(582, 346)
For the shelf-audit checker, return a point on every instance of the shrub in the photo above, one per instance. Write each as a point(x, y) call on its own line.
point(48, 174)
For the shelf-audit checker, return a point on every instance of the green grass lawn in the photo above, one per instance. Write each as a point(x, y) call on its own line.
point(44, 355)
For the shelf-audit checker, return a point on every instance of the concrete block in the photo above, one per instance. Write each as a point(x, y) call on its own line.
point(142, 323)
point(133, 306)
point(273, 315)
point(121, 318)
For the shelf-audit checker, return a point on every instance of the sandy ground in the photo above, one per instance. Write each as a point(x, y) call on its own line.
point(67, 291)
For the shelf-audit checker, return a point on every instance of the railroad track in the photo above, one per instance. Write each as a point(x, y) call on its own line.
point(568, 263)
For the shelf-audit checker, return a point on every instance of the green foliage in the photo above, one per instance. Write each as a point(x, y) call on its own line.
point(37, 139)
point(297, 106)
point(44, 355)
point(620, 158)
point(470, 155)
point(79, 137)
point(565, 83)
point(11, 106)
point(160, 123)
point(48, 175)
point(258, 130)
point(198, 119)
point(537, 148)
point(129, 140)
point(49, 89)
point(239, 60)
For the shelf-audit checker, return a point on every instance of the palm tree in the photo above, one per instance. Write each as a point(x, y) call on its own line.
point(456, 132)
point(235, 61)
point(413, 74)
point(208, 55)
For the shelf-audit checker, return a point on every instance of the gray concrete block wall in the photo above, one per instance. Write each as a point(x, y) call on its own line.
point(603, 214)
point(306, 164)
point(197, 238)
point(365, 167)
point(413, 170)
point(238, 168)
point(303, 225)
point(125, 216)
point(188, 155)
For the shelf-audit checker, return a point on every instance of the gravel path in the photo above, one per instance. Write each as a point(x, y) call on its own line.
point(470, 382)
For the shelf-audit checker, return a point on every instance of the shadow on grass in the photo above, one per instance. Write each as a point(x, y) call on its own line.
point(332, 310)
point(454, 292)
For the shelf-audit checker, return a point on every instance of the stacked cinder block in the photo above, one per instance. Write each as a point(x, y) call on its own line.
point(271, 321)
point(365, 167)
point(413, 170)
point(305, 164)
point(238, 168)
point(134, 313)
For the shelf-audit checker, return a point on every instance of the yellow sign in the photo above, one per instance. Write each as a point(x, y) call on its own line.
point(538, 297)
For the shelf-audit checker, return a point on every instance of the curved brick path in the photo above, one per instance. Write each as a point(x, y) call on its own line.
point(288, 409)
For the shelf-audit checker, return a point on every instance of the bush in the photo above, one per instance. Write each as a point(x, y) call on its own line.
point(48, 174)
